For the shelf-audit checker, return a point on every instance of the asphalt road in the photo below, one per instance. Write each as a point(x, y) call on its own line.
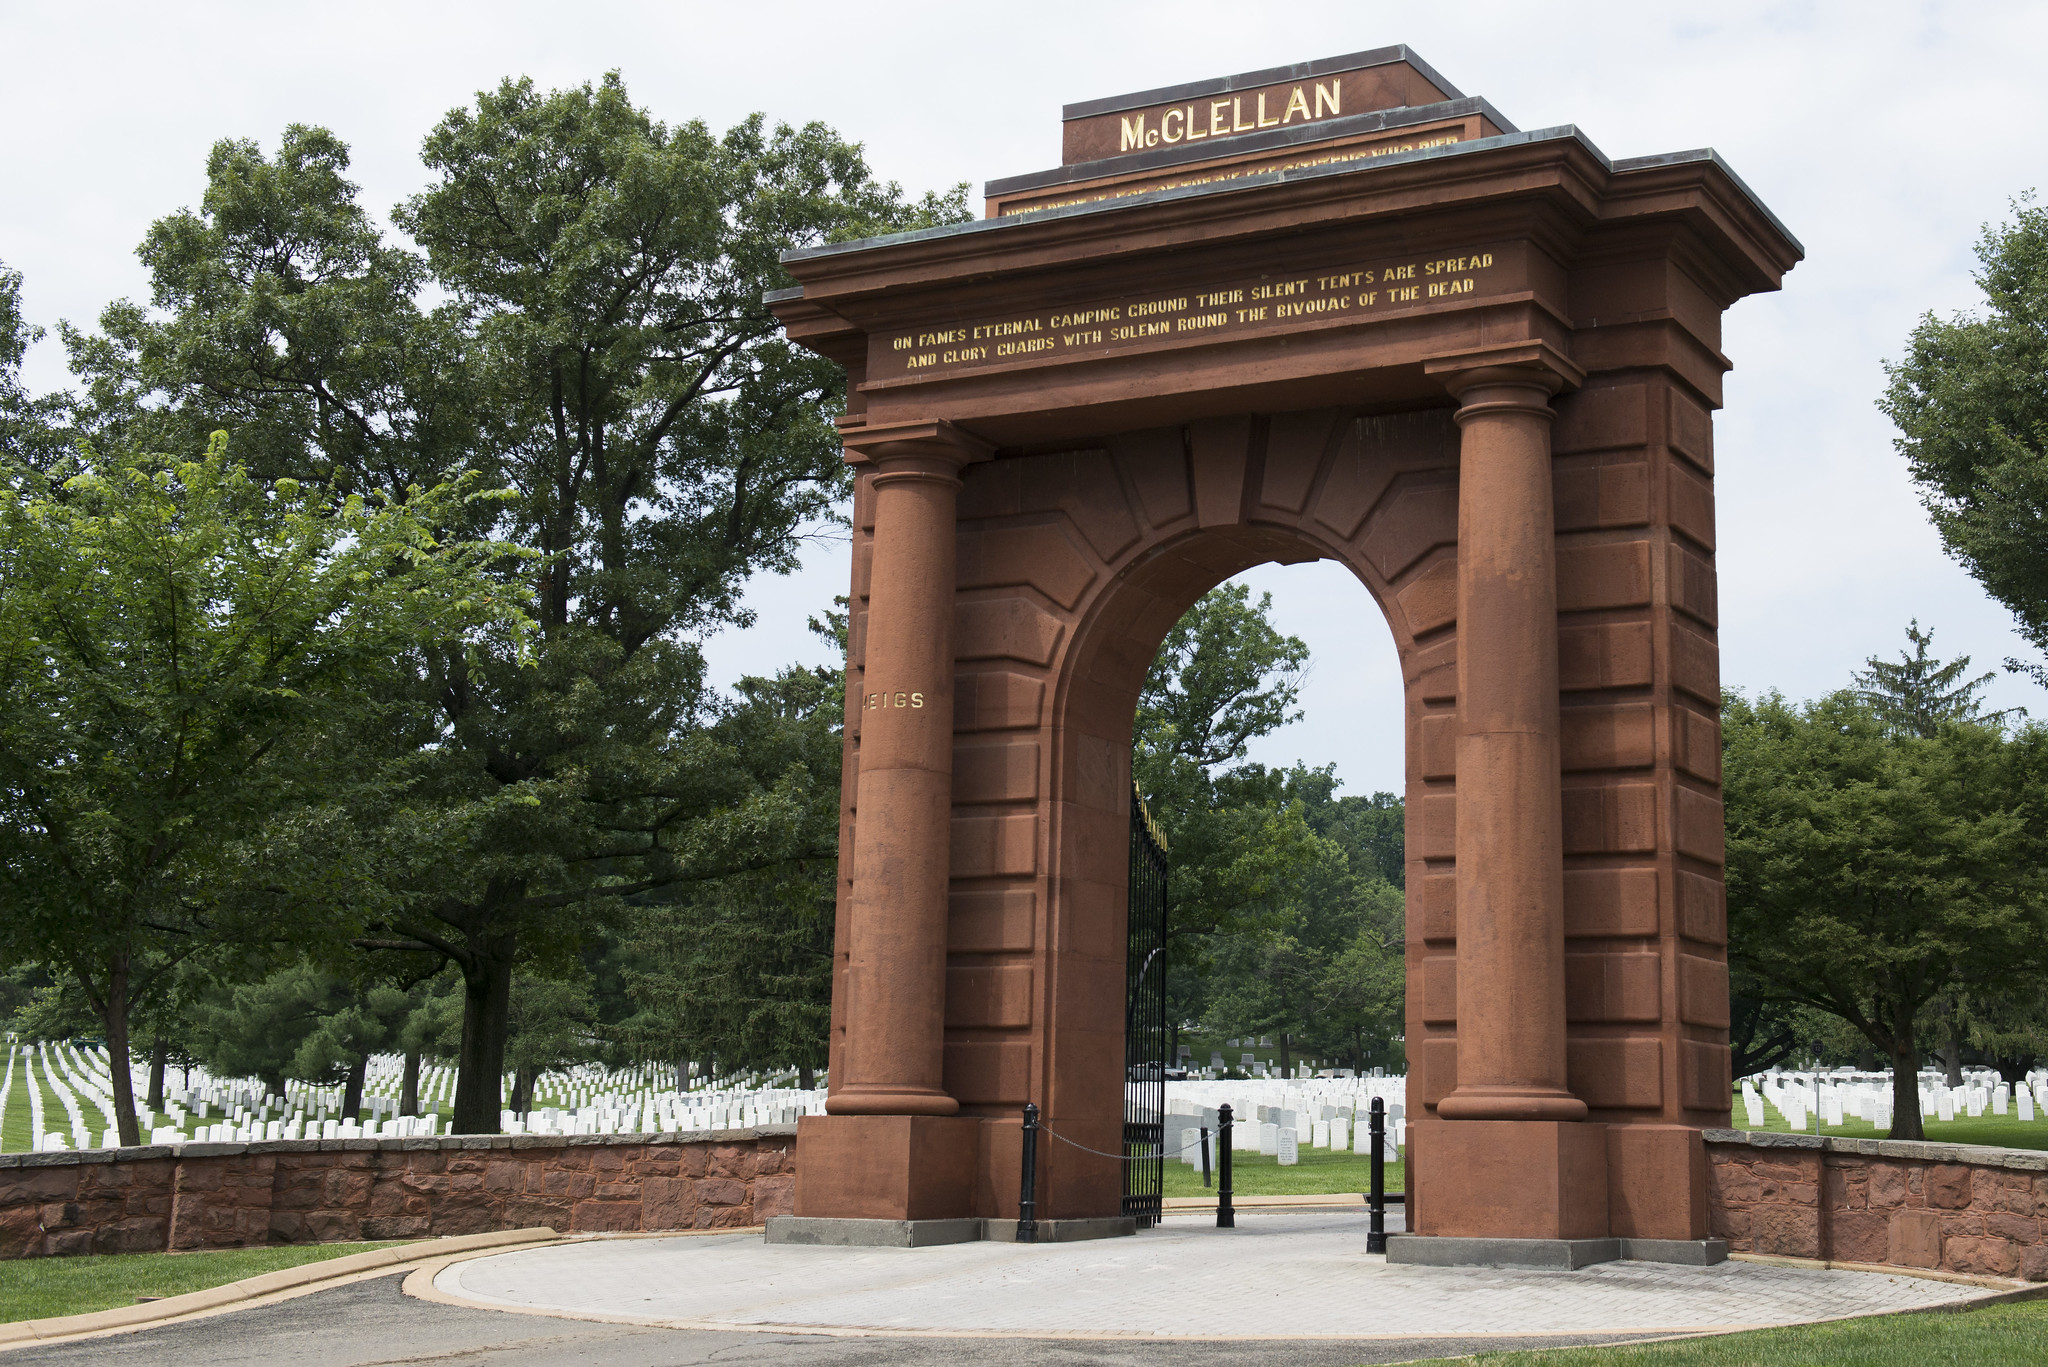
point(373, 1322)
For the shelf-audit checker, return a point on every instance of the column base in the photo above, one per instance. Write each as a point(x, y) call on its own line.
point(886, 1167)
point(804, 1229)
point(1063, 1231)
point(1566, 1255)
point(1422, 1250)
point(831, 1233)
point(1657, 1183)
point(1509, 1179)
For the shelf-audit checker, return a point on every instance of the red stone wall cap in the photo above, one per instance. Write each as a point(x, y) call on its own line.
point(1362, 164)
point(1252, 80)
point(1327, 131)
point(1979, 1155)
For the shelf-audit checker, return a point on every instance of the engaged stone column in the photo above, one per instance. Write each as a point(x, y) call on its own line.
point(894, 1057)
point(1510, 845)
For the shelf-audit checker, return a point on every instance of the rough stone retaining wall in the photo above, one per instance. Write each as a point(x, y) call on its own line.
point(188, 1196)
point(1952, 1207)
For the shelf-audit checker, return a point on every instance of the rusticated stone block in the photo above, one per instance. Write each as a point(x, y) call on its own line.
point(1733, 1184)
point(1859, 1236)
point(529, 1212)
point(604, 1217)
point(1887, 1185)
point(1948, 1186)
point(20, 1232)
point(1790, 1231)
point(774, 1196)
point(2019, 1228)
point(668, 1203)
point(574, 1185)
point(1915, 1239)
point(725, 1217)
point(2034, 1263)
point(731, 1160)
point(1979, 1256)
point(397, 1227)
point(721, 1191)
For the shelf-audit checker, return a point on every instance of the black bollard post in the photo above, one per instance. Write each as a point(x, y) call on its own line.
point(1226, 1218)
point(1205, 1155)
point(1376, 1203)
point(1027, 1194)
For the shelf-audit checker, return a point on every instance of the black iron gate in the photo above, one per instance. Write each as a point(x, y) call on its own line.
point(1145, 1022)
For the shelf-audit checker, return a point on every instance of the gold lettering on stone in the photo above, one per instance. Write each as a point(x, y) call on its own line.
point(1274, 299)
point(876, 702)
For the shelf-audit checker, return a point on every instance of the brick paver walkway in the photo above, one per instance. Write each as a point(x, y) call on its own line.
point(1275, 1276)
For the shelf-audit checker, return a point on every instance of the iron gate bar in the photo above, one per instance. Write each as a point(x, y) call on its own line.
point(1144, 1136)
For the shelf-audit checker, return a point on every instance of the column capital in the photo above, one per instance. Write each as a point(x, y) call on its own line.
point(931, 447)
point(1518, 365)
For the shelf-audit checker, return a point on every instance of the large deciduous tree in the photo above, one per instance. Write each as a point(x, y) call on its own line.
point(1870, 871)
point(1970, 399)
point(601, 345)
point(184, 651)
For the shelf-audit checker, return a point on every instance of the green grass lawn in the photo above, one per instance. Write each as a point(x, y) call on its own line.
point(14, 1135)
point(2001, 1131)
point(1994, 1336)
point(42, 1288)
point(1320, 1171)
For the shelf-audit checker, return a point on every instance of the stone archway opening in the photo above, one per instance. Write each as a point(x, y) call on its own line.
point(1474, 365)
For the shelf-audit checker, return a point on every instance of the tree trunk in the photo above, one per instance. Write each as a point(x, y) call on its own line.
point(522, 1089)
point(409, 1092)
point(117, 1051)
point(1286, 1055)
point(1952, 1051)
point(352, 1091)
point(806, 1076)
point(486, 1016)
point(159, 1055)
point(1905, 1077)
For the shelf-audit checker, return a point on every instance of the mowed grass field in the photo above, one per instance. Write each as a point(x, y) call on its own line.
point(44, 1288)
point(1320, 1172)
point(2014, 1335)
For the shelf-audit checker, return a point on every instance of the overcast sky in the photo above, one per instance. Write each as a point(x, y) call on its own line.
point(1884, 135)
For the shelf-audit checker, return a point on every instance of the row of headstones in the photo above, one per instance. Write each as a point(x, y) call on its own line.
point(1191, 1131)
point(670, 1114)
point(1870, 1099)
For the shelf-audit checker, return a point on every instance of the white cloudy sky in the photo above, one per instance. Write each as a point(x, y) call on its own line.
point(1883, 134)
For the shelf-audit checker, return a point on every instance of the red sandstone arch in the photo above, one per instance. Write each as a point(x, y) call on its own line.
point(1029, 524)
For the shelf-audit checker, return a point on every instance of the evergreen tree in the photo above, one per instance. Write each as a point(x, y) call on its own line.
point(1916, 695)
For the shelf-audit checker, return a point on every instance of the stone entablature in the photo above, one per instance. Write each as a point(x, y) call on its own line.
point(191, 1196)
point(1957, 1208)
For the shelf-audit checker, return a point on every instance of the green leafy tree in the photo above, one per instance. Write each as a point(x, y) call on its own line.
point(34, 431)
point(179, 646)
point(1870, 872)
point(738, 968)
point(1283, 899)
point(602, 347)
point(1970, 399)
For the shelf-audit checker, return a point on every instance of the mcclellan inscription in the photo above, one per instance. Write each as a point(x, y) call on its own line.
point(1265, 303)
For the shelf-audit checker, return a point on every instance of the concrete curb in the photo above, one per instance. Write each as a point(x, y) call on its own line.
point(23, 1332)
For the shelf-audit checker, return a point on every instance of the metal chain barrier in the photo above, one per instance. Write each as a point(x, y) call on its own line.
point(1122, 1157)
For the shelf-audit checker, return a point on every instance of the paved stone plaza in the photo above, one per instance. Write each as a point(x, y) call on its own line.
point(1275, 1276)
